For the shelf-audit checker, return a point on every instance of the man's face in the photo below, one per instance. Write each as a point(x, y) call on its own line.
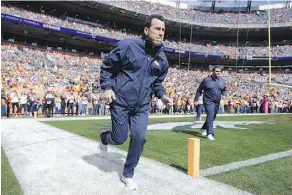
point(216, 72)
point(156, 31)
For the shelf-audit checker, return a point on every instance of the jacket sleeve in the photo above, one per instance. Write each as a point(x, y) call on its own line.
point(224, 91)
point(159, 90)
point(111, 66)
point(200, 90)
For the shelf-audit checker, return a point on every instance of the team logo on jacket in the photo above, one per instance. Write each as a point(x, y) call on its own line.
point(156, 63)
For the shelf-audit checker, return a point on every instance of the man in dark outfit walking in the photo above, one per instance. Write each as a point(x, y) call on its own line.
point(129, 76)
point(214, 87)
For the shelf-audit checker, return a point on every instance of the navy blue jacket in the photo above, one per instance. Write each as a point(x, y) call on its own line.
point(134, 71)
point(213, 89)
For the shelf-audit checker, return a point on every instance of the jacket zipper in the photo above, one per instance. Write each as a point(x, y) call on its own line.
point(145, 74)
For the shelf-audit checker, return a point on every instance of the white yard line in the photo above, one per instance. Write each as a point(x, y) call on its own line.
point(245, 163)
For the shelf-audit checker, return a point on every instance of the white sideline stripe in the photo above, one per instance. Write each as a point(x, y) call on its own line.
point(151, 116)
point(240, 164)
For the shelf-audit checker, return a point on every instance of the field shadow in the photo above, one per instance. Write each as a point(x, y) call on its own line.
point(114, 162)
point(182, 169)
point(191, 132)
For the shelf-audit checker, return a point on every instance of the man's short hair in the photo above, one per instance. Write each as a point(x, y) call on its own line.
point(149, 19)
point(216, 67)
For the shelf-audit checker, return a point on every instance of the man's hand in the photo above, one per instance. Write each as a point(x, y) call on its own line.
point(196, 103)
point(109, 96)
point(166, 100)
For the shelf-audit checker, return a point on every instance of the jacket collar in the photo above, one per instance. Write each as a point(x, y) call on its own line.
point(213, 78)
point(147, 44)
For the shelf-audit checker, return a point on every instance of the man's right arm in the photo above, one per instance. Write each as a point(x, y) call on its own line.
point(112, 65)
point(199, 91)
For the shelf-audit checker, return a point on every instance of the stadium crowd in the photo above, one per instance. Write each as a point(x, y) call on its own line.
point(111, 32)
point(34, 79)
point(281, 15)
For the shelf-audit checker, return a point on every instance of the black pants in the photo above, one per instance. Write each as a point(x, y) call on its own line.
point(70, 108)
point(49, 109)
point(63, 106)
point(13, 107)
point(8, 110)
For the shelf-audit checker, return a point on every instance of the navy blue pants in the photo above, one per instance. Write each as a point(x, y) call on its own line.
point(199, 110)
point(137, 120)
point(211, 110)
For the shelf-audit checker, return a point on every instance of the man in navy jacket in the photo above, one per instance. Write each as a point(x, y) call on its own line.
point(213, 87)
point(129, 76)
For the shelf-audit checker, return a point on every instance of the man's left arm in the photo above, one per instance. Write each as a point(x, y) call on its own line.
point(159, 90)
point(224, 91)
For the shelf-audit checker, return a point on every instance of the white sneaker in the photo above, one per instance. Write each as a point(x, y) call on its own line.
point(103, 150)
point(204, 132)
point(210, 137)
point(129, 182)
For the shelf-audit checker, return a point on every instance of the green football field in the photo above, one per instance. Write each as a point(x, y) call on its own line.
point(170, 147)
point(9, 183)
point(231, 145)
